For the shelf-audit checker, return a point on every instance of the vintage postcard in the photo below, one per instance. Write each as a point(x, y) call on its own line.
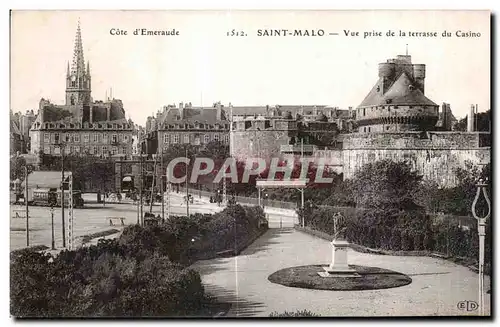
point(238, 163)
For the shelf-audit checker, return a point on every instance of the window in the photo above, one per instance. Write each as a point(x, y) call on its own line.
point(114, 150)
point(46, 137)
point(186, 138)
point(104, 150)
point(77, 149)
point(207, 138)
point(56, 138)
point(105, 138)
point(125, 138)
point(76, 137)
point(226, 138)
point(95, 138)
point(216, 137)
point(364, 112)
point(85, 138)
point(46, 149)
point(113, 138)
point(120, 137)
point(166, 138)
point(57, 150)
point(68, 137)
point(176, 138)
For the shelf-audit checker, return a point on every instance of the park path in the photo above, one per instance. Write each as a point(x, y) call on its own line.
point(437, 287)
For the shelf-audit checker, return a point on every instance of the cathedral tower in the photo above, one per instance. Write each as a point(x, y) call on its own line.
point(78, 86)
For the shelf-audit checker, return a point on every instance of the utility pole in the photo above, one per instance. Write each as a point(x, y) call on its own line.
point(52, 222)
point(62, 197)
point(187, 190)
point(302, 190)
point(27, 210)
point(161, 188)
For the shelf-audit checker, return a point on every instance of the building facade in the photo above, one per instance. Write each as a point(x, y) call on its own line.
point(185, 124)
point(81, 125)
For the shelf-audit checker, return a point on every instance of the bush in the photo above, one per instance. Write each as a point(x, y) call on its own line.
point(296, 314)
point(102, 281)
point(140, 274)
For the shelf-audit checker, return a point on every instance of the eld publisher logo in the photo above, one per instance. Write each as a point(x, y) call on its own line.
point(467, 305)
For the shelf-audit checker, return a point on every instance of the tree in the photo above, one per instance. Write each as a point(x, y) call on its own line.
point(17, 164)
point(386, 183)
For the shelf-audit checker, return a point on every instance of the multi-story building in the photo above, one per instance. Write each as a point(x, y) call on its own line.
point(186, 125)
point(19, 131)
point(81, 125)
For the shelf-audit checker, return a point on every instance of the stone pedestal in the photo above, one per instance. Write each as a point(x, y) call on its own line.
point(339, 266)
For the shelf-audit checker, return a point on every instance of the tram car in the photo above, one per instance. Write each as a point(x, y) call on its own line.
point(52, 197)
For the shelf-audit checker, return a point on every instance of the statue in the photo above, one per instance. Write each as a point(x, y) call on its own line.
point(339, 226)
point(339, 265)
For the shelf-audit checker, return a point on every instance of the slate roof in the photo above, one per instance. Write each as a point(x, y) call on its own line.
point(248, 110)
point(14, 128)
point(203, 115)
point(399, 94)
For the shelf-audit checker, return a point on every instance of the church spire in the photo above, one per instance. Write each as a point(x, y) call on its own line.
point(78, 66)
point(67, 70)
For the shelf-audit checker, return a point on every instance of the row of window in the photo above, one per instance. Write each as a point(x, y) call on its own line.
point(93, 150)
point(195, 126)
point(362, 111)
point(85, 125)
point(175, 138)
point(94, 137)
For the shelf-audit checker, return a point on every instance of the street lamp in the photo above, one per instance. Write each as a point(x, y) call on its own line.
point(481, 224)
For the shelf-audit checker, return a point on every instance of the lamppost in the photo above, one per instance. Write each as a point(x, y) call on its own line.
point(481, 228)
point(52, 224)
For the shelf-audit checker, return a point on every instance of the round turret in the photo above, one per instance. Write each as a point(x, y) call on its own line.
point(419, 71)
point(386, 69)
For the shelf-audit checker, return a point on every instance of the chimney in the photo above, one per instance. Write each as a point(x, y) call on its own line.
point(350, 112)
point(218, 107)
point(108, 111)
point(471, 118)
point(181, 110)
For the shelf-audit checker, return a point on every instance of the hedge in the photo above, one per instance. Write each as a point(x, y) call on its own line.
point(401, 230)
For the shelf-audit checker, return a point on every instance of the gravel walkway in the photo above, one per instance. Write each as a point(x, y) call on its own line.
point(437, 287)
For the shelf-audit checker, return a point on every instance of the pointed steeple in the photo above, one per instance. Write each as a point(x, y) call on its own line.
point(67, 70)
point(88, 67)
point(78, 66)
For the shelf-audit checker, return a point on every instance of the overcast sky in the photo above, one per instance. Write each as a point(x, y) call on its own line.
point(203, 65)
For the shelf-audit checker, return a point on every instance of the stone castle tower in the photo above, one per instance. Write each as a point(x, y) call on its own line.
point(78, 86)
point(397, 101)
